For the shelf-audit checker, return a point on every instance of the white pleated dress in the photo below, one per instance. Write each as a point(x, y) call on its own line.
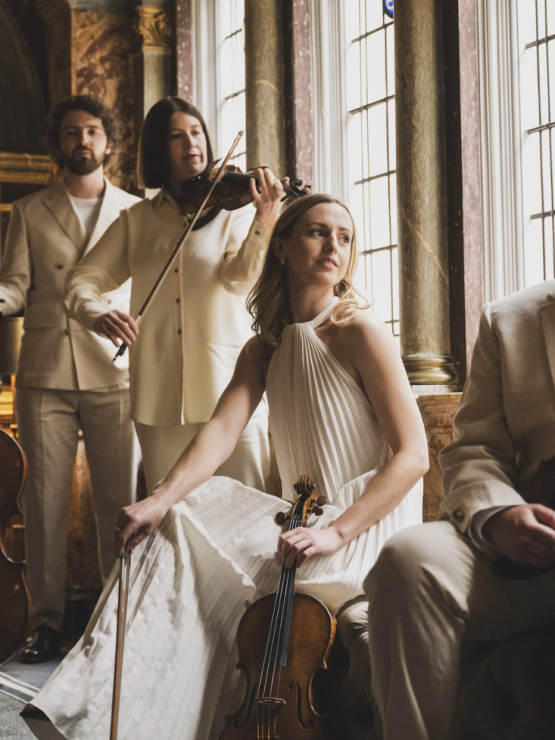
point(215, 553)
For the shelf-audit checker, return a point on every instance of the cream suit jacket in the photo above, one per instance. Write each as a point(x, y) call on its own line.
point(45, 239)
point(505, 425)
point(195, 327)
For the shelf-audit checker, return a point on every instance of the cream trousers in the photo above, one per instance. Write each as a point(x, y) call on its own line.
point(249, 462)
point(430, 588)
point(48, 423)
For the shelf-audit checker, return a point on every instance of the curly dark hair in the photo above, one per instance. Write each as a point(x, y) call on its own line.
point(86, 103)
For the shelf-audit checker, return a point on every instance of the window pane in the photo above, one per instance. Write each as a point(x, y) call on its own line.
point(370, 87)
point(537, 100)
point(231, 68)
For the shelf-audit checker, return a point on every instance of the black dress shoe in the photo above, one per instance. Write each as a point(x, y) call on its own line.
point(46, 644)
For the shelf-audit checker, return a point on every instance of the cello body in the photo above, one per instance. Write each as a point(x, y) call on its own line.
point(284, 640)
point(15, 601)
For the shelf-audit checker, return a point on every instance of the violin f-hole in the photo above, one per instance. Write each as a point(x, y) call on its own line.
point(294, 686)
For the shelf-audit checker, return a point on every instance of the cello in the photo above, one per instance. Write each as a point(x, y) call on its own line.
point(284, 639)
point(15, 601)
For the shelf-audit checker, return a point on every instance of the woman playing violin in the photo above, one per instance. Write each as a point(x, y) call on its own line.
point(184, 354)
point(342, 411)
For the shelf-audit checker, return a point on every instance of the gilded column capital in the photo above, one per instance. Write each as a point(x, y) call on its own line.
point(153, 28)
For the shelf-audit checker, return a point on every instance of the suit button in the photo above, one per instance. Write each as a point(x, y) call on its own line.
point(58, 266)
point(257, 233)
point(66, 332)
point(179, 331)
point(175, 269)
point(178, 300)
point(458, 515)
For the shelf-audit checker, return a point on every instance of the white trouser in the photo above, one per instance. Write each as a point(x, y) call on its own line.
point(48, 424)
point(430, 588)
point(249, 462)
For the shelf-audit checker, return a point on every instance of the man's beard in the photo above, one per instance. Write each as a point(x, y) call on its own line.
point(82, 165)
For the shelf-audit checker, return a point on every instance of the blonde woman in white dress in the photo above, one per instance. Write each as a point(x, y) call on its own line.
point(341, 411)
point(183, 356)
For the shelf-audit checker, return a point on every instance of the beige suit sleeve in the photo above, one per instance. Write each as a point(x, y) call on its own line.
point(242, 265)
point(15, 272)
point(479, 467)
point(101, 270)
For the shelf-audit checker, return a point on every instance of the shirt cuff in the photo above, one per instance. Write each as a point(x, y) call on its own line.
point(476, 528)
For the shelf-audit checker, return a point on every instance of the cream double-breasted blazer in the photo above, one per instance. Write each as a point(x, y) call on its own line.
point(195, 327)
point(45, 240)
point(505, 425)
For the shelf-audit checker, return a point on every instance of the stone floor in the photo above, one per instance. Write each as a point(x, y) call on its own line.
point(18, 685)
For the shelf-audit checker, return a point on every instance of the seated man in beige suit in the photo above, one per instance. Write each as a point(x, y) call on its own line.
point(438, 583)
point(66, 379)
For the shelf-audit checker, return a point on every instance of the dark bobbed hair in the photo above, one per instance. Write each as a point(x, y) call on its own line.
point(153, 165)
point(90, 105)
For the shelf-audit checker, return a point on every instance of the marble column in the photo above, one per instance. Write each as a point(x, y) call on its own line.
point(183, 63)
point(264, 74)
point(462, 129)
point(421, 193)
point(298, 90)
point(152, 61)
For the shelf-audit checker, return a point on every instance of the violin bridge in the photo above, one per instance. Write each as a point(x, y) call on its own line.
point(270, 700)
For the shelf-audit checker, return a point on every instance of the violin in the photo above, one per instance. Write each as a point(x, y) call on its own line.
point(15, 601)
point(232, 190)
point(284, 639)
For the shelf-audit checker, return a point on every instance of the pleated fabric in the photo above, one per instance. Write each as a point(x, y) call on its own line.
point(215, 553)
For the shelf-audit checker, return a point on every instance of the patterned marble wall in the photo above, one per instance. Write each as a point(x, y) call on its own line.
point(101, 64)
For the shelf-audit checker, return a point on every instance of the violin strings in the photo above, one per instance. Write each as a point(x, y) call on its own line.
point(269, 657)
point(288, 597)
point(273, 636)
point(270, 652)
point(282, 600)
point(263, 684)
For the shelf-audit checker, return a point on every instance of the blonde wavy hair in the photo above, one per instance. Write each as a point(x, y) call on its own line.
point(268, 301)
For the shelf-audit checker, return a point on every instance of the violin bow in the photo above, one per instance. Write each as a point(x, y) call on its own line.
point(123, 594)
point(182, 240)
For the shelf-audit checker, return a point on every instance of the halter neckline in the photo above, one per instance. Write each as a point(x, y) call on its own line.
point(323, 315)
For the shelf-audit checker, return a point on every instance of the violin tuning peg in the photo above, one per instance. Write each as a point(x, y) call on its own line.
point(298, 183)
point(281, 518)
point(317, 511)
point(321, 500)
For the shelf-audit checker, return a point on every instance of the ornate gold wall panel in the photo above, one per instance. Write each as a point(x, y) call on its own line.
point(26, 168)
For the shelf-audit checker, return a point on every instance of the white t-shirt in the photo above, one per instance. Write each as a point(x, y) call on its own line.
point(87, 209)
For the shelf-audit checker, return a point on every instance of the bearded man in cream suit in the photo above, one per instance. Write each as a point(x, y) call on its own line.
point(438, 583)
point(66, 379)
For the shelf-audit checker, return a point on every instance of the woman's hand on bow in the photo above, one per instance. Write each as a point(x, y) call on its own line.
point(117, 326)
point(267, 196)
point(304, 542)
point(137, 521)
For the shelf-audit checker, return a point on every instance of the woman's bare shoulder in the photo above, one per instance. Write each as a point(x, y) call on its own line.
point(257, 351)
point(363, 326)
